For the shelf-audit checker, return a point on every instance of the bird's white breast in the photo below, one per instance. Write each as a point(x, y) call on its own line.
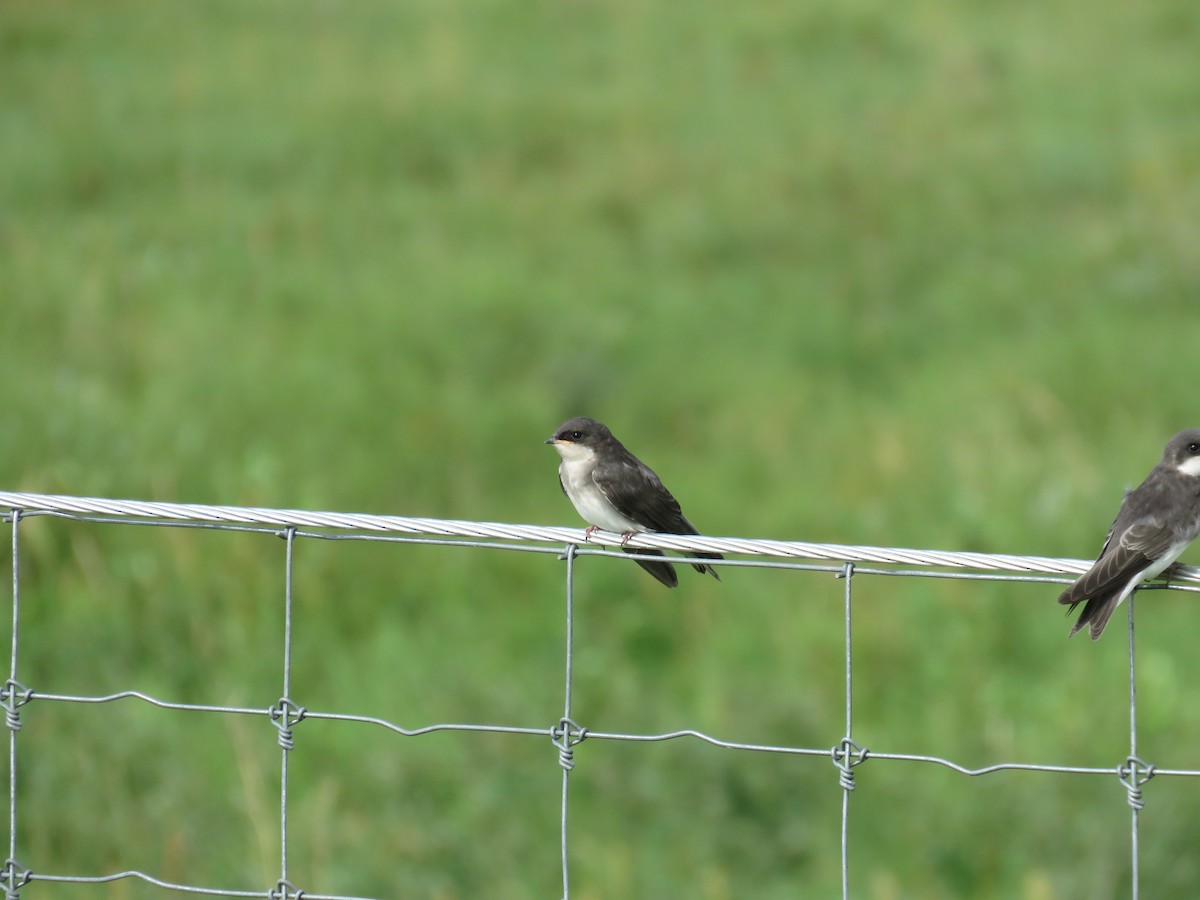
point(588, 499)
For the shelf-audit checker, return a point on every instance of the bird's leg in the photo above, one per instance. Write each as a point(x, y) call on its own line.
point(625, 536)
point(587, 533)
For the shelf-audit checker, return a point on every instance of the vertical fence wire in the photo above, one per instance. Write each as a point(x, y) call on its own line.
point(12, 681)
point(12, 880)
point(290, 538)
point(288, 714)
point(846, 781)
point(563, 739)
point(1135, 799)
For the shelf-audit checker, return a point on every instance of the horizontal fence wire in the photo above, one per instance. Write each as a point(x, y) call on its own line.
point(848, 562)
point(94, 509)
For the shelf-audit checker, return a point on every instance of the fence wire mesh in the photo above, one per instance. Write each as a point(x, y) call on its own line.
point(847, 562)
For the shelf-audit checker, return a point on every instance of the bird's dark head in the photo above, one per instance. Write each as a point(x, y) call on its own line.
point(579, 437)
point(1183, 452)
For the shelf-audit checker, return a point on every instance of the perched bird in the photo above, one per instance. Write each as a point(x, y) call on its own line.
point(1155, 524)
point(614, 490)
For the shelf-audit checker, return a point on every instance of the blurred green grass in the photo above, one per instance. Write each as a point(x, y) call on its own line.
point(920, 276)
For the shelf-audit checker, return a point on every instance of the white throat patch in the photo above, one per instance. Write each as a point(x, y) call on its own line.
point(1190, 466)
point(574, 452)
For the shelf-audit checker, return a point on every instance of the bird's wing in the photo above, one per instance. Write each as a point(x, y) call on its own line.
point(639, 496)
point(1138, 546)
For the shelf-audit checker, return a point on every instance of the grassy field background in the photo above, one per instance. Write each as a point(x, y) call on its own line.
point(919, 275)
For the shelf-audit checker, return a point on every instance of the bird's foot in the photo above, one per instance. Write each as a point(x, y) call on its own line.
point(589, 531)
point(625, 536)
point(1174, 570)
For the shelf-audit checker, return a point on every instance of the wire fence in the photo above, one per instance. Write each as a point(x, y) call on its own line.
point(847, 562)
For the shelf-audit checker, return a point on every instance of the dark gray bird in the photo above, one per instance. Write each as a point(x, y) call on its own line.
point(1155, 524)
point(614, 490)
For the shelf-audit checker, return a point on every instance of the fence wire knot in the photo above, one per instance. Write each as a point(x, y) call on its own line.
point(285, 890)
point(14, 877)
point(846, 756)
point(565, 735)
point(285, 714)
point(13, 696)
point(1133, 773)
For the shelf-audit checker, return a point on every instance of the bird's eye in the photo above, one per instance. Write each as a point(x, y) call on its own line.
point(576, 435)
point(1194, 447)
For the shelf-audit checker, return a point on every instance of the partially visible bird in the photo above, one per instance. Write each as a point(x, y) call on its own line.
point(1155, 524)
point(614, 490)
